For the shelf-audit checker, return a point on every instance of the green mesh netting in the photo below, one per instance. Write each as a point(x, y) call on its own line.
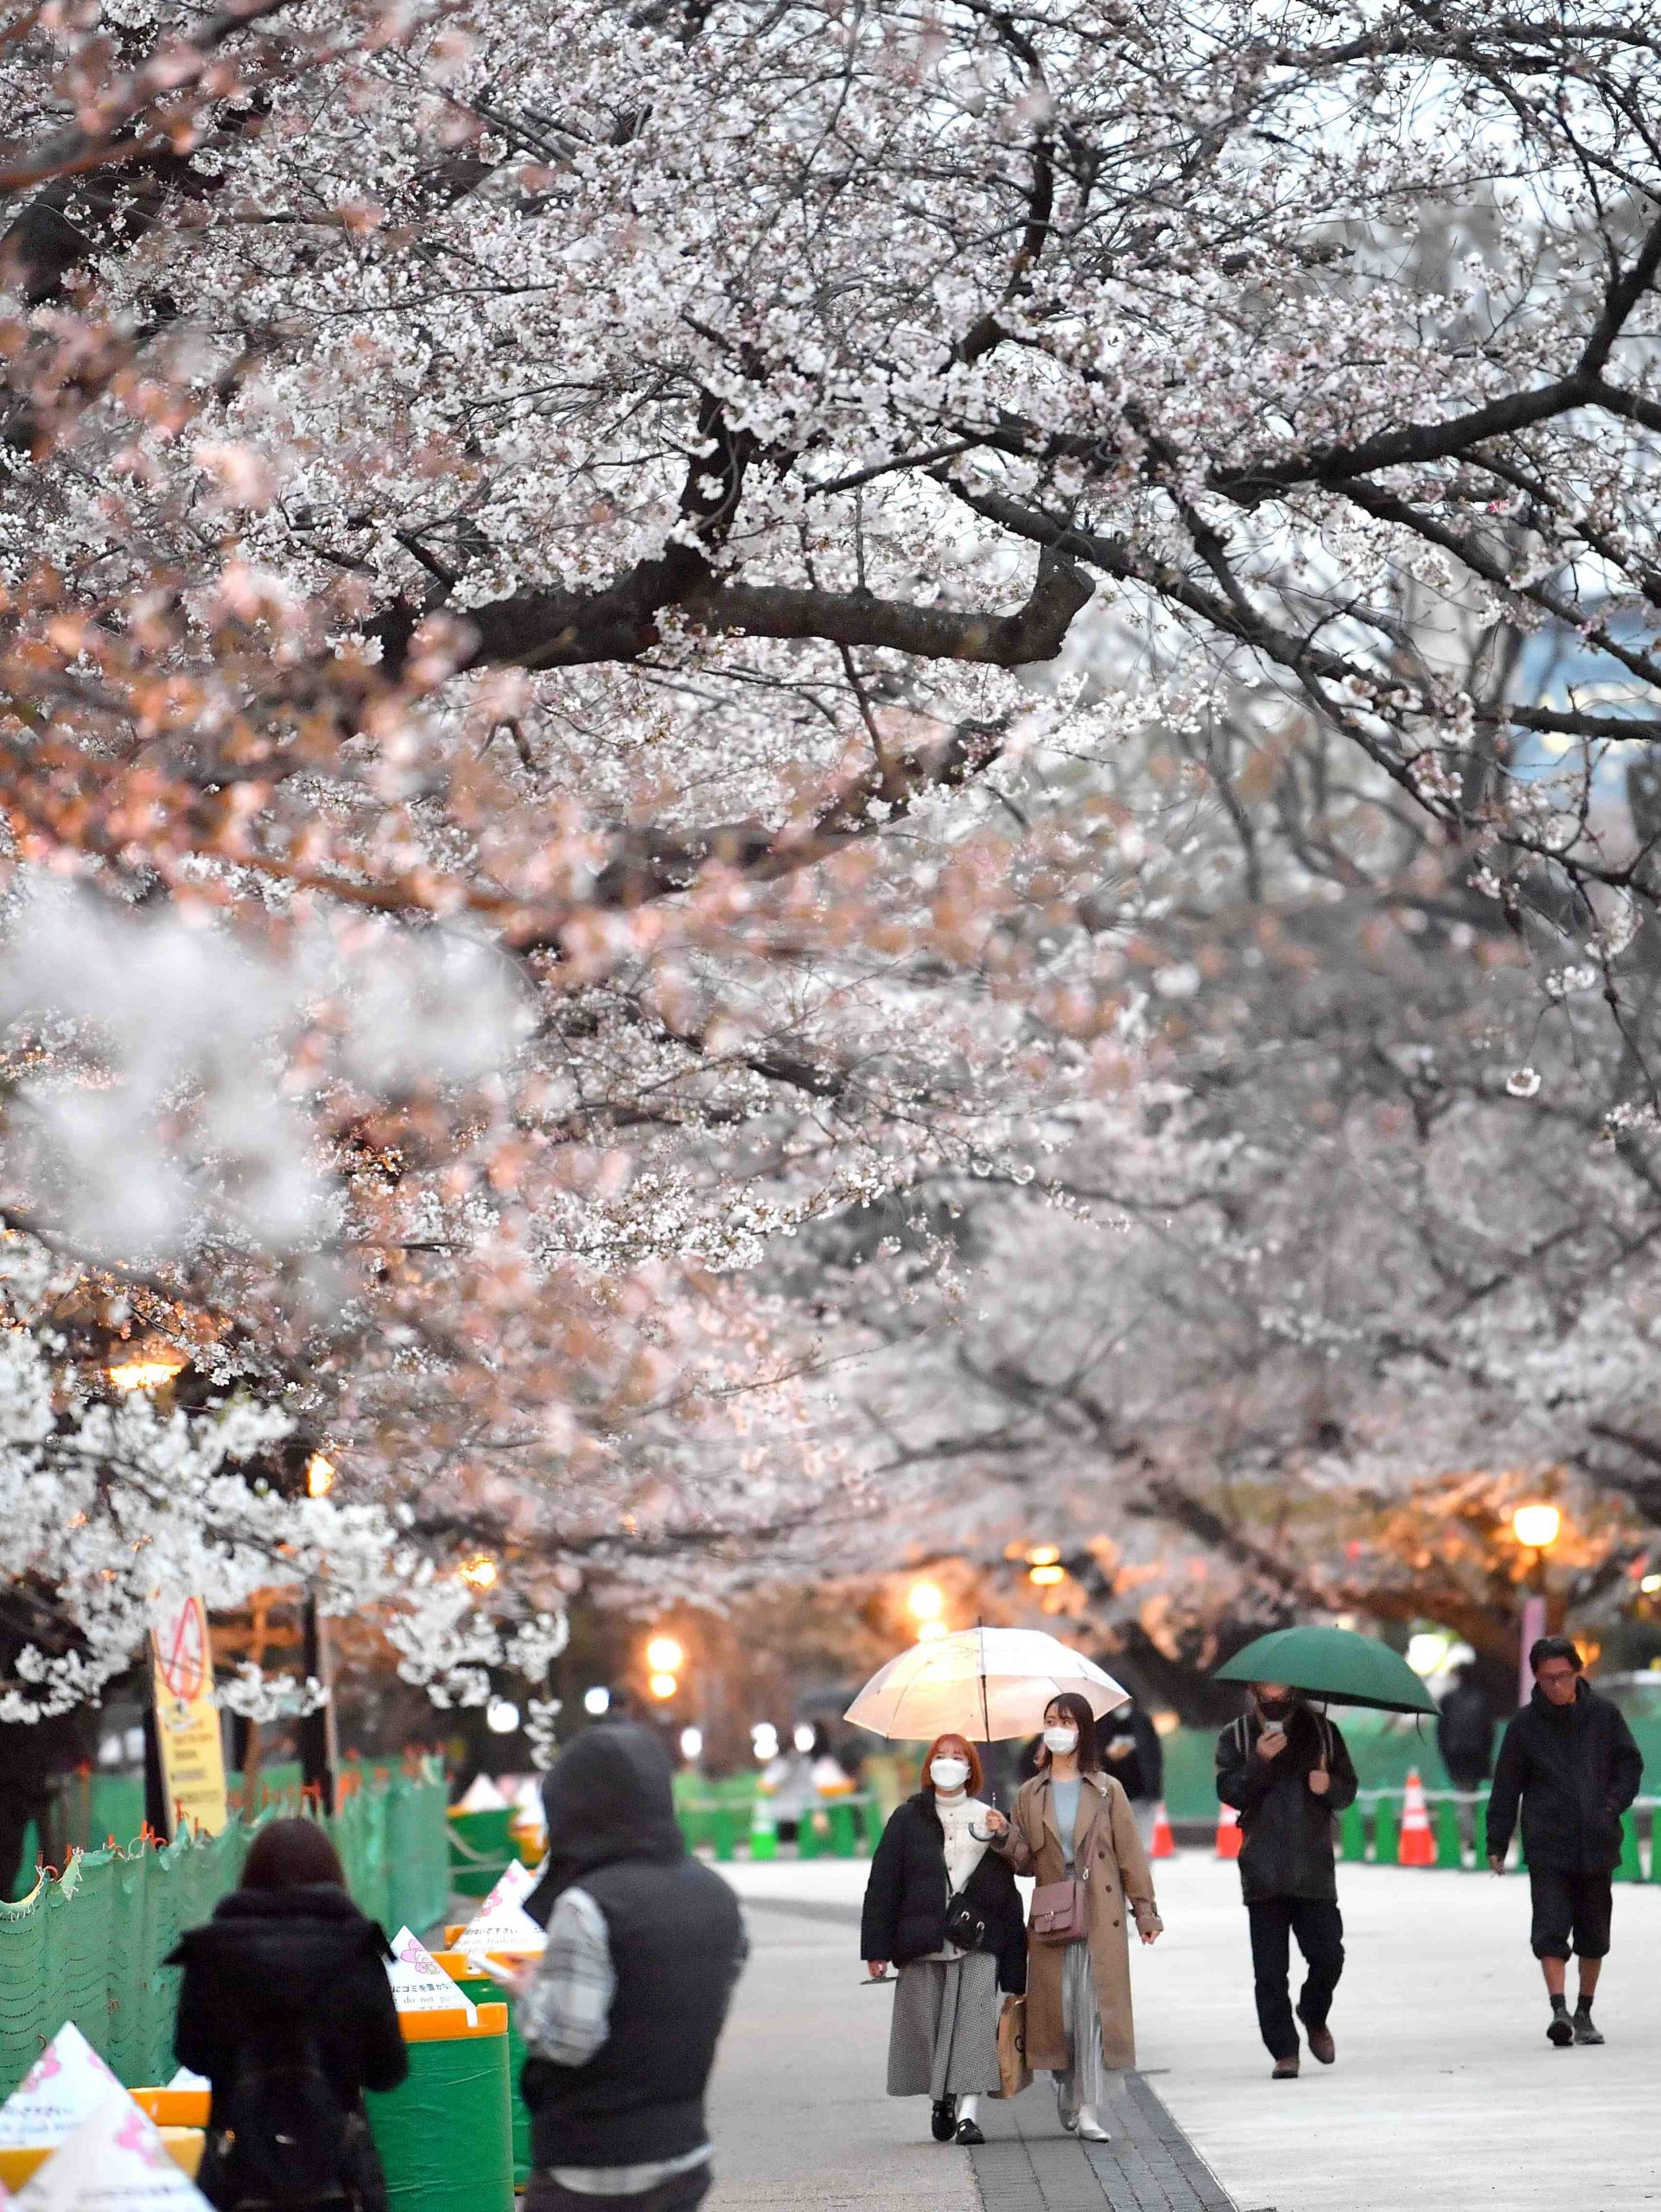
point(444, 2135)
point(89, 1948)
point(485, 1989)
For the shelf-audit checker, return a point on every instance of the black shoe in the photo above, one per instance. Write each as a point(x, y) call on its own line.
point(1561, 2031)
point(943, 2121)
point(1586, 2029)
point(969, 2132)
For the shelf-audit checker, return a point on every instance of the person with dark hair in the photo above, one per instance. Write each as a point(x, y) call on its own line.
point(1464, 1731)
point(285, 2006)
point(1131, 1751)
point(1568, 1759)
point(1287, 1771)
point(946, 1911)
point(1073, 1830)
point(622, 2011)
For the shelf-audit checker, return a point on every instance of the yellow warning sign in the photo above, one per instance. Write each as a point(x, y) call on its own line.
point(188, 1720)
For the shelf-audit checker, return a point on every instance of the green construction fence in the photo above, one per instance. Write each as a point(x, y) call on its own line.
point(88, 1946)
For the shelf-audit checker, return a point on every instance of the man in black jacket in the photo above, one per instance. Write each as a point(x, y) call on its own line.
point(1569, 1759)
point(622, 2014)
point(1286, 1771)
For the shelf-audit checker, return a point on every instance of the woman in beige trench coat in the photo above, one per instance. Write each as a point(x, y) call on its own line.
point(1072, 1822)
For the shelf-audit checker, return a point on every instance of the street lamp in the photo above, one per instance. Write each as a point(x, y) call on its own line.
point(1536, 1528)
point(665, 1656)
point(925, 1601)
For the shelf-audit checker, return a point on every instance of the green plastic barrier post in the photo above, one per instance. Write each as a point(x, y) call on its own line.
point(844, 1839)
point(444, 2135)
point(871, 1811)
point(1387, 1833)
point(1629, 1867)
point(724, 1823)
point(1450, 1844)
point(764, 1830)
point(1351, 1833)
point(1655, 1844)
point(810, 1844)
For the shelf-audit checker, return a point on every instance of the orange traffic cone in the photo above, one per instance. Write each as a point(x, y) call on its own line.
point(1228, 1832)
point(1164, 1841)
point(1418, 1843)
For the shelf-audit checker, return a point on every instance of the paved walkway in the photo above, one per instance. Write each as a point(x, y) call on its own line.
point(1446, 2096)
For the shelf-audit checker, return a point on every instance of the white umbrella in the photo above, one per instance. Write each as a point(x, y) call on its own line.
point(984, 1683)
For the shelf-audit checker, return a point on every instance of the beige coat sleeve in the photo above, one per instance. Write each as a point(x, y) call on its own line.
point(1134, 1872)
point(1014, 1845)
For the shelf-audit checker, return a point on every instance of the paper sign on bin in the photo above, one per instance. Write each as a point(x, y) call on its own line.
point(66, 2085)
point(115, 2161)
point(420, 1984)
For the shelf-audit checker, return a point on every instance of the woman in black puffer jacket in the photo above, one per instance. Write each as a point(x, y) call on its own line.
point(943, 2044)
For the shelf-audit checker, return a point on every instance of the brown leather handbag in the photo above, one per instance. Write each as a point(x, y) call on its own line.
point(1060, 1913)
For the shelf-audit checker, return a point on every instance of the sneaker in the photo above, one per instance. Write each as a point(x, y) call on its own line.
point(1561, 2031)
point(1286, 2069)
point(1586, 2028)
point(943, 2121)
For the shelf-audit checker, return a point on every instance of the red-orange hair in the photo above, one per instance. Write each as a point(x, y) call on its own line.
point(962, 1744)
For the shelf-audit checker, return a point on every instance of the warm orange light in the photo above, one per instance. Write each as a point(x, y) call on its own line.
point(663, 1686)
point(1537, 1526)
point(1047, 1575)
point(665, 1656)
point(1043, 1555)
point(143, 1374)
point(926, 1601)
point(482, 1573)
point(320, 1475)
point(927, 1632)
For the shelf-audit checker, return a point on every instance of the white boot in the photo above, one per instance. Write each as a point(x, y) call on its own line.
point(1088, 2127)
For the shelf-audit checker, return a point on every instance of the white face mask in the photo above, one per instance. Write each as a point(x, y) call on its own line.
point(948, 1774)
point(1061, 1739)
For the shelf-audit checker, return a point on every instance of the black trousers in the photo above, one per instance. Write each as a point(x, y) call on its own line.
point(1570, 1909)
point(1320, 1929)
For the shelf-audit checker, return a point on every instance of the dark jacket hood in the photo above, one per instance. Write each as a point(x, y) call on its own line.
point(610, 1795)
point(266, 1942)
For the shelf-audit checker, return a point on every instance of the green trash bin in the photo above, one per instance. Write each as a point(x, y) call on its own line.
point(444, 2134)
point(482, 1850)
point(485, 1989)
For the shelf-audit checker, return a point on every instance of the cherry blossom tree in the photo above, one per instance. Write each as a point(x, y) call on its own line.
point(587, 591)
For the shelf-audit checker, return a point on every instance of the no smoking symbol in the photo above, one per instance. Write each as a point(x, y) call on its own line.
point(184, 1663)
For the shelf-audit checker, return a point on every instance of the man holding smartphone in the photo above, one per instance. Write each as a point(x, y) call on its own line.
point(1286, 1771)
point(1568, 1760)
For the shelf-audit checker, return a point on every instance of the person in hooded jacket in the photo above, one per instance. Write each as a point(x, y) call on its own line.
point(948, 1917)
point(621, 2013)
point(1286, 1771)
point(286, 2007)
point(1569, 1761)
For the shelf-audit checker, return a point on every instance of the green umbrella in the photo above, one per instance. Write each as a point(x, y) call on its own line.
point(1334, 1663)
